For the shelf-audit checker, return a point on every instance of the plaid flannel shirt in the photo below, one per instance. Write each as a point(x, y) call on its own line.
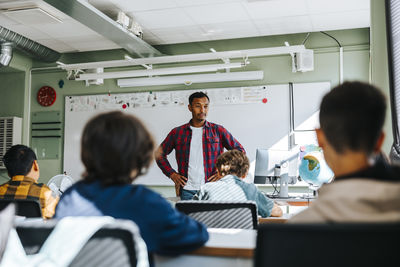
point(22, 187)
point(215, 139)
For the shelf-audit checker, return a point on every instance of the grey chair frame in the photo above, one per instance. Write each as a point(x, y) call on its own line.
point(112, 245)
point(207, 212)
point(328, 245)
point(29, 208)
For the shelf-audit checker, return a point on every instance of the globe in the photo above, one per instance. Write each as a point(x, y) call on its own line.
point(313, 168)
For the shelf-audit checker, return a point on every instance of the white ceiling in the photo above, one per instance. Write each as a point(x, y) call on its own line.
point(182, 21)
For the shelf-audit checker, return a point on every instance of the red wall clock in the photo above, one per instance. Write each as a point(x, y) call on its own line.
point(46, 96)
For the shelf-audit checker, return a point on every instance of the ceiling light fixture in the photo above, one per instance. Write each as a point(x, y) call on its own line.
point(161, 71)
point(190, 79)
point(80, 71)
point(31, 16)
point(258, 52)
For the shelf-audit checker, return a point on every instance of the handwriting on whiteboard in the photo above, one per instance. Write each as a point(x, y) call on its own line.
point(218, 96)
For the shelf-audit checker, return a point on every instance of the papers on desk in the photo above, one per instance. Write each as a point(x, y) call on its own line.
point(224, 231)
point(18, 218)
point(231, 238)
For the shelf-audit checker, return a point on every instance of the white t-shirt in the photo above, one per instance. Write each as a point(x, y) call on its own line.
point(196, 173)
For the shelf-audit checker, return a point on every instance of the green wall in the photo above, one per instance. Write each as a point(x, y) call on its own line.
point(12, 90)
point(20, 64)
point(12, 86)
point(277, 69)
point(14, 94)
point(379, 62)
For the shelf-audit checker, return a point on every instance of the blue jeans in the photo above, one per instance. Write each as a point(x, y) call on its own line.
point(188, 194)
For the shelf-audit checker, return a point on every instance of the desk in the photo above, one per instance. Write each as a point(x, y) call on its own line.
point(297, 202)
point(294, 201)
point(225, 248)
point(293, 204)
point(282, 219)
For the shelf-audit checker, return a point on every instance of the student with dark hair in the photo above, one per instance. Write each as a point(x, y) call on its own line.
point(233, 166)
point(116, 148)
point(366, 188)
point(23, 169)
point(197, 145)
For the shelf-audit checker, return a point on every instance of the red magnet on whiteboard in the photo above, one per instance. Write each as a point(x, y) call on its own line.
point(265, 100)
point(124, 106)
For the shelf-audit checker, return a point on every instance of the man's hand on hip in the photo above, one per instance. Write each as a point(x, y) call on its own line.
point(178, 179)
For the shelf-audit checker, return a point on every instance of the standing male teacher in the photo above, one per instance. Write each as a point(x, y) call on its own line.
point(197, 145)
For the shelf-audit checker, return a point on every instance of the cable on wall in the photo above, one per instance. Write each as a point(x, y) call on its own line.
point(340, 52)
point(340, 56)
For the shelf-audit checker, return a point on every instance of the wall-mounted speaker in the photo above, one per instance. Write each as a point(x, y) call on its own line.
point(305, 60)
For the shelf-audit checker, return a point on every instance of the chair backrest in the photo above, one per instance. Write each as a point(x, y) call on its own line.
point(327, 245)
point(29, 208)
point(112, 245)
point(6, 223)
point(221, 214)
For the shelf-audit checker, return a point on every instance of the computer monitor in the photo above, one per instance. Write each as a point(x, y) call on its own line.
point(272, 164)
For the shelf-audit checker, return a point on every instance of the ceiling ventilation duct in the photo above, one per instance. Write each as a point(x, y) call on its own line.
point(91, 17)
point(5, 54)
point(28, 46)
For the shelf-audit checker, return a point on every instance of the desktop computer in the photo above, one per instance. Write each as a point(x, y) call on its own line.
point(273, 166)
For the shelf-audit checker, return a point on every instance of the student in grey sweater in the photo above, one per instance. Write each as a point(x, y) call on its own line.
point(366, 187)
point(233, 166)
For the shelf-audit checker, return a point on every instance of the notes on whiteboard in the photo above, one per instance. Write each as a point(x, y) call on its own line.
point(218, 96)
point(254, 94)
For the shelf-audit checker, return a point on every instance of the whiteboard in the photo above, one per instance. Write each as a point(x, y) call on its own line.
point(258, 117)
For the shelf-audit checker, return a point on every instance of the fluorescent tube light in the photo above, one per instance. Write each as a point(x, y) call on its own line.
point(154, 72)
point(189, 79)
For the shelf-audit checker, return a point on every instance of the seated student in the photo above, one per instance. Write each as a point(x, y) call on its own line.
point(116, 148)
point(233, 166)
point(365, 189)
point(23, 169)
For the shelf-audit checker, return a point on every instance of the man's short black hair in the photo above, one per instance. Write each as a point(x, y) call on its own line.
point(19, 160)
point(352, 116)
point(113, 145)
point(197, 95)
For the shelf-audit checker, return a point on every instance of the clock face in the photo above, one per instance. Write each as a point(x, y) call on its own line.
point(46, 96)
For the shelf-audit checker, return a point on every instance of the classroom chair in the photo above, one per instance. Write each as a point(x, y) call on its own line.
point(221, 214)
point(24, 207)
point(356, 244)
point(114, 244)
